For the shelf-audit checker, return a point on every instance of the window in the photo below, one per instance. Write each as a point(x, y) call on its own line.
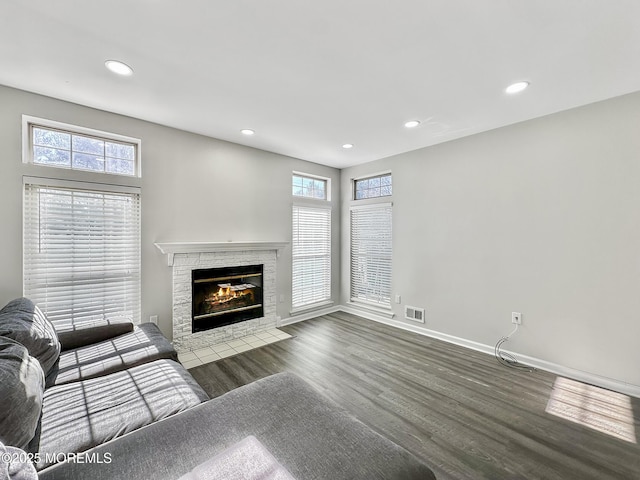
point(60, 145)
point(82, 250)
point(373, 187)
point(311, 260)
point(310, 187)
point(371, 247)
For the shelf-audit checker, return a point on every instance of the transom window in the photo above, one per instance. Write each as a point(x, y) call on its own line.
point(310, 187)
point(373, 187)
point(64, 146)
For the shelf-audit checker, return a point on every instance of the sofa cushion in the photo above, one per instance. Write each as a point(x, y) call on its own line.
point(77, 416)
point(24, 322)
point(309, 435)
point(21, 389)
point(143, 345)
point(246, 460)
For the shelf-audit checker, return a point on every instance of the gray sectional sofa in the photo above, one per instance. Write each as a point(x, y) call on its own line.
point(110, 400)
point(115, 379)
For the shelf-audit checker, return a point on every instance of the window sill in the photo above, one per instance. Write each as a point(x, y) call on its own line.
point(382, 311)
point(313, 306)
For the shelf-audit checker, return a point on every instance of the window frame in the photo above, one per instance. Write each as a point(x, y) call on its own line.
point(327, 183)
point(29, 123)
point(354, 186)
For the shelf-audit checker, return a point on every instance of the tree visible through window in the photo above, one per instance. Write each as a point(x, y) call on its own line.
point(309, 187)
point(52, 144)
point(373, 187)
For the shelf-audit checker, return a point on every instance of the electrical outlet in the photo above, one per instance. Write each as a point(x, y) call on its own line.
point(398, 299)
point(153, 319)
point(516, 317)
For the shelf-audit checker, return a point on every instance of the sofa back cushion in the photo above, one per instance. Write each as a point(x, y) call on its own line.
point(21, 391)
point(25, 323)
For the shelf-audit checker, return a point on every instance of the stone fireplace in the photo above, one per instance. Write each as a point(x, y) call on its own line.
point(212, 265)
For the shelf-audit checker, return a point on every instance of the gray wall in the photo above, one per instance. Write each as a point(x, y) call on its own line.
point(194, 188)
point(541, 217)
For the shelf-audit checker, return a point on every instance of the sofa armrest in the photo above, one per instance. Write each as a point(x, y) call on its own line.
point(81, 334)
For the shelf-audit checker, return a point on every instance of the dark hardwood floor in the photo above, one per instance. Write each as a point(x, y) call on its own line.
point(461, 412)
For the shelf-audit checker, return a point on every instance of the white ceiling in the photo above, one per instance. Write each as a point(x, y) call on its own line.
point(311, 76)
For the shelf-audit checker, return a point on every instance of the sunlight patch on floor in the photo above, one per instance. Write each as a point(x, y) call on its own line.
point(597, 408)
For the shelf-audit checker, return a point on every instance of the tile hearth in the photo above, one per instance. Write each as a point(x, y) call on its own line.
point(230, 348)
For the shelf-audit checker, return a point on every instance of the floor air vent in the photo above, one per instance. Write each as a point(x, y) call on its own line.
point(414, 313)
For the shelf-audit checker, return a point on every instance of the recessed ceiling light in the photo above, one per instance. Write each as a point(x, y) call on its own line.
point(118, 67)
point(247, 131)
point(347, 145)
point(412, 123)
point(516, 87)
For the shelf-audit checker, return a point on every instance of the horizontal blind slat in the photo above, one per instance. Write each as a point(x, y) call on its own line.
point(82, 252)
point(371, 254)
point(311, 255)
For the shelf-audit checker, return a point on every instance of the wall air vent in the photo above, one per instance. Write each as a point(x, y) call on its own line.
point(414, 313)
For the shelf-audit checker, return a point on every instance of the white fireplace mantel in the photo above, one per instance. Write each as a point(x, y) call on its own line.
point(172, 248)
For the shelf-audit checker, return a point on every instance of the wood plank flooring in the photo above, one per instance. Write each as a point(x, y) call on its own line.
point(458, 410)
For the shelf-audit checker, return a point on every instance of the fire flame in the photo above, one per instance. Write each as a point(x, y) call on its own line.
point(226, 292)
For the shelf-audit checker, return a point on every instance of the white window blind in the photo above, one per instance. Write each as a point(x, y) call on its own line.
point(82, 252)
point(311, 261)
point(371, 249)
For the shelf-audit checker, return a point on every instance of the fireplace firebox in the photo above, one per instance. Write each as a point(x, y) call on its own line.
point(223, 296)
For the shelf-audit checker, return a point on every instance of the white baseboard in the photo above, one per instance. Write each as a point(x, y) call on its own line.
point(586, 377)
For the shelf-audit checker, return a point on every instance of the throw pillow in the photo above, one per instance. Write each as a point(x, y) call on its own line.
point(21, 391)
point(24, 322)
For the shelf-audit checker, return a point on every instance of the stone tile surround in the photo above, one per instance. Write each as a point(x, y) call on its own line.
point(219, 351)
point(183, 263)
